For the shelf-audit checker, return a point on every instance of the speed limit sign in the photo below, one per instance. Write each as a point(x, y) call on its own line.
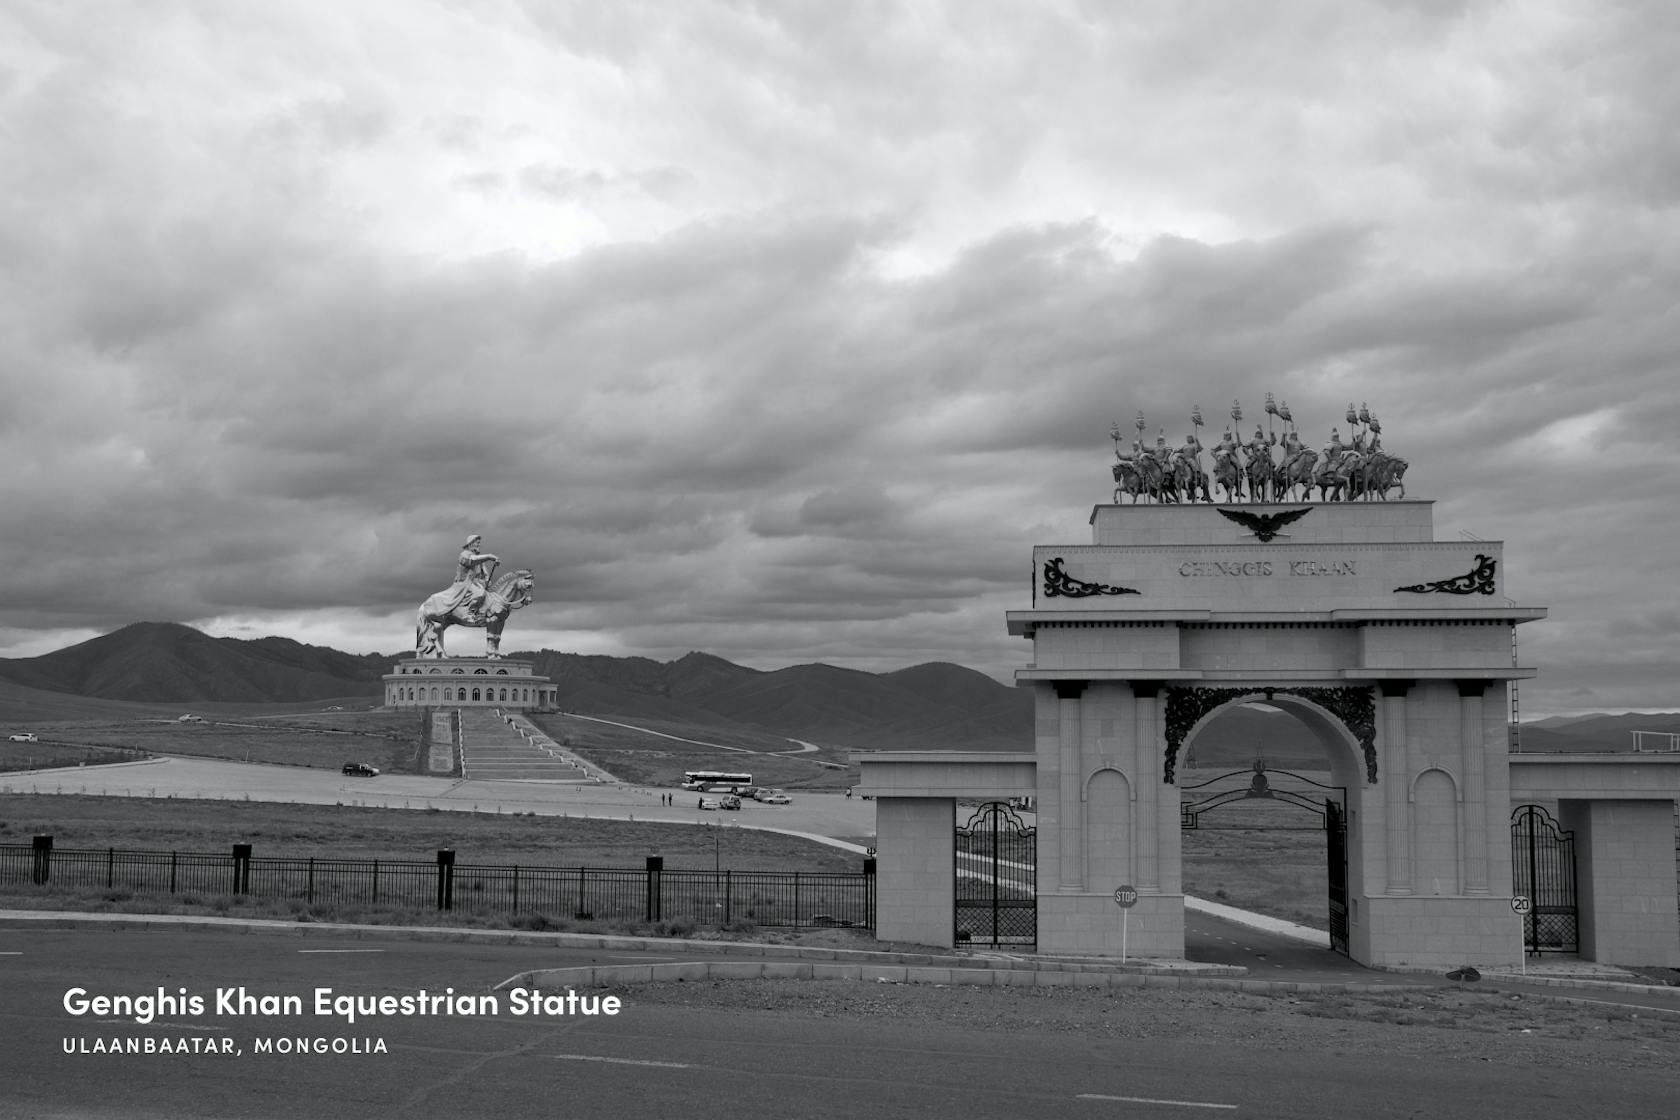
point(1521, 904)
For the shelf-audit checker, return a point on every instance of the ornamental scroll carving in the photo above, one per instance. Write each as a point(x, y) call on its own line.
point(1355, 707)
point(1058, 582)
point(1477, 581)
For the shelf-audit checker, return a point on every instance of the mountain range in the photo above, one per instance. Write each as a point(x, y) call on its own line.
point(159, 667)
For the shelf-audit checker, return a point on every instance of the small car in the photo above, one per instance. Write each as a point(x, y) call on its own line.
point(189, 718)
point(710, 803)
point(730, 802)
point(23, 737)
point(361, 770)
point(776, 797)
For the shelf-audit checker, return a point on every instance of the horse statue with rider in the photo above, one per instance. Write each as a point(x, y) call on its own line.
point(1249, 471)
point(478, 598)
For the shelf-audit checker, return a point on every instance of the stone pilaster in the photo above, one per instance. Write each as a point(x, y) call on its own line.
point(1071, 811)
point(1147, 784)
point(1473, 758)
point(1396, 779)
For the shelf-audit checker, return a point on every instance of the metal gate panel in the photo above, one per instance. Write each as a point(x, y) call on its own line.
point(1335, 835)
point(996, 896)
point(1543, 869)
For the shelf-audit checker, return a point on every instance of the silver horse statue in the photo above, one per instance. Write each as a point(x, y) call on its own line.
point(502, 596)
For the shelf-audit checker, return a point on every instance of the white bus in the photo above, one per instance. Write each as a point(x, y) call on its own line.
point(716, 781)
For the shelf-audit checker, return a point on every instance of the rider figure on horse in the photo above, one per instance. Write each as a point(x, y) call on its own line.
point(472, 577)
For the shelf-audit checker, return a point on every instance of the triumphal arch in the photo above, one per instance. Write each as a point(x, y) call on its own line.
point(1307, 583)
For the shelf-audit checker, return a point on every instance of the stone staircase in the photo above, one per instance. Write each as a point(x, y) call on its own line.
point(492, 748)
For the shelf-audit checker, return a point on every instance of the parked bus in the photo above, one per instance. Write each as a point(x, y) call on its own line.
point(716, 781)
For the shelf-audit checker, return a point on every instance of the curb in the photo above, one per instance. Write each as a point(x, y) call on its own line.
point(687, 971)
point(852, 958)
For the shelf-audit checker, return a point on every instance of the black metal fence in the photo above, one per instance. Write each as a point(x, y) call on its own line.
point(602, 894)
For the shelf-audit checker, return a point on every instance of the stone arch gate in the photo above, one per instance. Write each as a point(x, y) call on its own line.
point(1393, 649)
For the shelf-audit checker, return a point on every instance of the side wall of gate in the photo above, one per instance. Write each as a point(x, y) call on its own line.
point(916, 794)
point(1621, 810)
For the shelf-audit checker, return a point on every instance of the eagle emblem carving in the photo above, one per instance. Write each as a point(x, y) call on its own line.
point(1264, 526)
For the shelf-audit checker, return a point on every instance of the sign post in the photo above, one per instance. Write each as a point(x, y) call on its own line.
point(1521, 905)
point(1126, 897)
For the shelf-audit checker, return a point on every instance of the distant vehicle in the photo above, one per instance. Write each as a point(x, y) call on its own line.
point(776, 797)
point(190, 719)
point(721, 781)
point(730, 802)
point(23, 737)
point(710, 803)
point(333, 708)
point(361, 770)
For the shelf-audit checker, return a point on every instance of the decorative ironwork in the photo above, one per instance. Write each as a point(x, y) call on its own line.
point(1354, 706)
point(1058, 582)
point(1477, 581)
point(1259, 788)
point(996, 870)
point(1264, 526)
point(1543, 868)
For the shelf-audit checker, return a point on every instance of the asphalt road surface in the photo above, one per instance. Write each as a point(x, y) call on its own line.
point(649, 1059)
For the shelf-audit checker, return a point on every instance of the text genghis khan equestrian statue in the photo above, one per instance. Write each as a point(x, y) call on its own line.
point(1250, 472)
point(478, 598)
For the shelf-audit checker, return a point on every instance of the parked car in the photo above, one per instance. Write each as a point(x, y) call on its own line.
point(776, 797)
point(730, 802)
point(23, 737)
point(361, 770)
point(710, 803)
point(189, 718)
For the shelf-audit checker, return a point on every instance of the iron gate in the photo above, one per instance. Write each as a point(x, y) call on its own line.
point(996, 878)
point(1543, 868)
point(1335, 835)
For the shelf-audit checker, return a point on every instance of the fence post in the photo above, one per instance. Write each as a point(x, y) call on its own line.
point(796, 900)
point(43, 859)
point(241, 868)
point(581, 914)
point(655, 869)
point(375, 880)
point(869, 890)
point(110, 867)
point(516, 888)
point(172, 859)
point(309, 895)
point(446, 879)
point(728, 895)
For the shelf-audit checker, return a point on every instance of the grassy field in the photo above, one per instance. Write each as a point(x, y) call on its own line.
point(642, 758)
point(389, 740)
point(168, 824)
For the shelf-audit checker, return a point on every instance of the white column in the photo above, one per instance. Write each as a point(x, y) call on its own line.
point(1474, 760)
point(1396, 778)
point(1070, 813)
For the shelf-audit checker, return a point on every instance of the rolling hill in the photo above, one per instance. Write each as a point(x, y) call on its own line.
point(150, 668)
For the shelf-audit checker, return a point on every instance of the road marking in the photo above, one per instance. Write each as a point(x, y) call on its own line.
point(12, 953)
point(341, 950)
point(620, 1061)
point(1152, 1100)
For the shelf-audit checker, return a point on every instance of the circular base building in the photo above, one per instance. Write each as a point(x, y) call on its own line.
point(507, 683)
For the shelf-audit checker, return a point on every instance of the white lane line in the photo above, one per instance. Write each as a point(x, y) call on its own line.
point(620, 1061)
point(341, 950)
point(1151, 1100)
point(12, 953)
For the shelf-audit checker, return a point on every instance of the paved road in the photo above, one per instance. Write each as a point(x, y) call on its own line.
point(650, 1059)
point(823, 816)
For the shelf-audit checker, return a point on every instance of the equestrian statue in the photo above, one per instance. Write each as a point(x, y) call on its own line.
point(478, 598)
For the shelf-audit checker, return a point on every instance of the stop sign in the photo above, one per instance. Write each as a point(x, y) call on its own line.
point(1126, 896)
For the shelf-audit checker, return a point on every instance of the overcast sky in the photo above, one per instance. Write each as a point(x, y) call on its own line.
point(784, 330)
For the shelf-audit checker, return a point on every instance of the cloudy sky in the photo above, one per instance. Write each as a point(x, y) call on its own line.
point(783, 330)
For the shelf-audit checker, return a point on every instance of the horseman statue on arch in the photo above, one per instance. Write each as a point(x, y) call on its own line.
point(1251, 472)
point(477, 598)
